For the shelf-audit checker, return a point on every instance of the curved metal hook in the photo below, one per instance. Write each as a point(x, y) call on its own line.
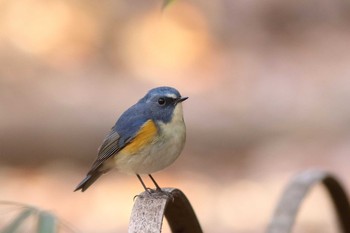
point(149, 210)
point(288, 206)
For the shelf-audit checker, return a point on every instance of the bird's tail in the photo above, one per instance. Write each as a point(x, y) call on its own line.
point(90, 178)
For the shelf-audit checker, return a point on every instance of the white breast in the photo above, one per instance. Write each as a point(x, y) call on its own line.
point(162, 152)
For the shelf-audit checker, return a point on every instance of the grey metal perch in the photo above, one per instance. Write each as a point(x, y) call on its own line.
point(290, 202)
point(149, 210)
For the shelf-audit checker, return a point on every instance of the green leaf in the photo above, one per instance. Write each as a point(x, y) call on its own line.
point(46, 223)
point(167, 3)
point(18, 221)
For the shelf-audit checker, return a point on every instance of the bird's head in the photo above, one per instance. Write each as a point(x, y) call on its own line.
point(164, 104)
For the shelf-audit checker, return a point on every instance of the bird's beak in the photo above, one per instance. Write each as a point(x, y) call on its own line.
point(181, 99)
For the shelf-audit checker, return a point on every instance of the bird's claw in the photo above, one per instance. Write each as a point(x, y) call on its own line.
point(156, 193)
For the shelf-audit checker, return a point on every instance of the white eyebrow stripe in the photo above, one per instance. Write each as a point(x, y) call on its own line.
point(173, 96)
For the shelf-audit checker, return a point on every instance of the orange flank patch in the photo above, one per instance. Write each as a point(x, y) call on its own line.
point(146, 134)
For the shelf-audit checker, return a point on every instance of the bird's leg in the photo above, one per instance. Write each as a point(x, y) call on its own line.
point(159, 190)
point(155, 183)
point(143, 184)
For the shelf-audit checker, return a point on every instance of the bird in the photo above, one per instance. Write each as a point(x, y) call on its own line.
point(147, 137)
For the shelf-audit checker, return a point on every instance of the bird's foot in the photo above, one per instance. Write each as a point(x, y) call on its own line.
point(148, 191)
point(155, 193)
point(159, 193)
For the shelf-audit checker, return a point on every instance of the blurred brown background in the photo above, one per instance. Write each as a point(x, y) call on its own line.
point(269, 88)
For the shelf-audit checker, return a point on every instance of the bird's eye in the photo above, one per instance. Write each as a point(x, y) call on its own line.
point(161, 101)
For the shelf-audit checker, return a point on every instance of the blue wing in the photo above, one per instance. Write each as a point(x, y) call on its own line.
point(121, 134)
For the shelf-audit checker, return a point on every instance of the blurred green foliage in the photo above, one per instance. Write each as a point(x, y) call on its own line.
point(28, 219)
point(167, 2)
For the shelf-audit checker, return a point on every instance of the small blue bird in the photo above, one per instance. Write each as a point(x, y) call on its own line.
point(147, 137)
